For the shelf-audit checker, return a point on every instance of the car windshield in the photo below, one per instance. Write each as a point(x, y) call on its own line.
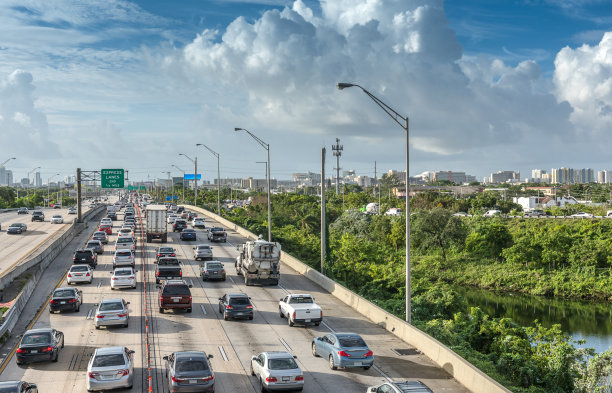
point(176, 290)
point(109, 360)
point(79, 269)
point(282, 364)
point(111, 306)
point(191, 365)
point(351, 341)
point(123, 272)
point(38, 338)
point(301, 299)
point(216, 229)
point(239, 300)
point(63, 293)
point(214, 266)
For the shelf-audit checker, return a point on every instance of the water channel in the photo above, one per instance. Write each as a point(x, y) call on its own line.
point(583, 320)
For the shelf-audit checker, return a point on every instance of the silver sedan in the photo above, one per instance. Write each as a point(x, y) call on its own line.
point(277, 371)
point(112, 312)
point(110, 368)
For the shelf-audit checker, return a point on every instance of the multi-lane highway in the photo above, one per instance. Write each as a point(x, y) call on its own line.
point(232, 343)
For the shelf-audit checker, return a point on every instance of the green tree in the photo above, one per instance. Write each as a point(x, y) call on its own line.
point(439, 228)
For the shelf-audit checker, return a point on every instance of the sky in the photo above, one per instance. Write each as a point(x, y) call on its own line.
point(486, 85)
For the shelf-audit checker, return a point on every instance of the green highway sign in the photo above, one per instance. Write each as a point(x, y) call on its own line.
point(143, 188)
point(112, 178)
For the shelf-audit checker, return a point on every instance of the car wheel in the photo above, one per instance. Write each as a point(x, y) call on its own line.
point(262, 388)
point(251, 318)
point(55, 358)
point(252, 372)
point(280, 312)
point(332, 363)
point(97, 327)
point(225, 316)
point(78, 308)
point(189, 310)
point(289, 322)
point(314, 350)
point(63, 342)
point(112, 288)
point(125, 325)
point(161, 310)
point(366, 367)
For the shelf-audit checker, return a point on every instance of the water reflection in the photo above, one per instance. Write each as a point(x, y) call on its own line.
point(590, 321)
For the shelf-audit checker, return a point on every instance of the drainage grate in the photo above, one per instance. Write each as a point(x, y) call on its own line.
point(405, 351)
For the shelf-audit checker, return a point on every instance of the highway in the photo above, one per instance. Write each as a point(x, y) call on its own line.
point(232, 343)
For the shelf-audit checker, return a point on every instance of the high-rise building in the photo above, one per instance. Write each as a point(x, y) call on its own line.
point(601, 177)
point(537, 173)
point(37, 180)
point(3, 179)
point(504, 176)
point(572, 176)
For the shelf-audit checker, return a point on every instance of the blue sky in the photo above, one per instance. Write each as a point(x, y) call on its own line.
point(487, 85)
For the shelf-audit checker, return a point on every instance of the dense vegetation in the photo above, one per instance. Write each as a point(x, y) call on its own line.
point(35, 197)
point(366, 253)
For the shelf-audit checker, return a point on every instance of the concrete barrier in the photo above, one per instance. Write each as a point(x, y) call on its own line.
point(460, 369)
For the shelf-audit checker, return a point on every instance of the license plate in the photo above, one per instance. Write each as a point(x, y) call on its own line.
point(307, 320)
point(176, 299)
point(358, 363)
point(286, 379)
point(34, 351)
point(193, 381)
point(62, 302)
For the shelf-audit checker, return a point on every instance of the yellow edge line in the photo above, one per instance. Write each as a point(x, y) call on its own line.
point(10, 356)
point(8, 270)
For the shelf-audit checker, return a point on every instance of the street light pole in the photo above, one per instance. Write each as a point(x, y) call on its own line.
point(183, 180)
point(403, 122)
point(218, 177)
point(267, 147)
point(49, 186)
point(195, 177)
point(28, 192)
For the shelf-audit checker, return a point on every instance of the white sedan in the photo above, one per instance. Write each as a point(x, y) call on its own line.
point(172, 218)
point(57, 219)
point(123, 277)
point(277, 371)
point(79, 273)
point(582, 215)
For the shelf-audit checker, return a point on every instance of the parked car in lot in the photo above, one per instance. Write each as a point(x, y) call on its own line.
point(189, 371)
point(235, 305)
point(23, 210)
point(38, 345)
point(110, 368)
point(123, 277)
point(400, 387)
point(66, 299)
point(203, 252)
point(85, 255)
point(276, 371)
point(198, 223)
point(164, 251)
point(188, 234)
point(18, 387)
point(79, 273)
point(212, 270)
point(38, 215)
point(343, 350)
point(95, 245)
point(17, 228)
point(57, 219)
point(174, 294)
point(300, 308)
point(101, 236)
point(112, 312)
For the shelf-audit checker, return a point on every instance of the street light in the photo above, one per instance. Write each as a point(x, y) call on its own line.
point(403, 122)
point(267, 147)
point(183, 180)
point(218, 177)
point(49, 186)
point(195, 177)
point(5, 161)
point(28, 192)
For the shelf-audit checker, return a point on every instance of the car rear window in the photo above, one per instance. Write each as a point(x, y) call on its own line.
point(84, 253)
point(79, 269)
point(214, 266)
point(92, 244)
point(123, 254)
point(239, 300)
point(63, 293)
point(109, 360)
point(111, 306)
point(191, 365)
point(182, 290)
point(282, 364)
point(168, 261)
point(206, 247)
point(123, 272)
point(301, 299)
point(351, 341)
point(166, 249)
point(124, 240)
point(39, 338)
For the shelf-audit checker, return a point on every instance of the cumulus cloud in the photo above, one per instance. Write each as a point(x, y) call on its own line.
point(24, 127)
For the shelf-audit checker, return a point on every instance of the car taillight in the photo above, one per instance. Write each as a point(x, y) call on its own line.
point(369, 353)
point(92, 257)
point(157, 273)
point(175, 379)
point(343, 354)
point(114, 278)
point(123, 373)
point(71, 300)
point(181, 273)
point(208, 378)
point(131, 277)
point(74, 258)
point(228, 306)
point(48, 349)
point(293, 315)
point(249, 306)
point(69, 275)
point(19, 350)
point(121, 315)
point(299, 378)
point(52, 301)
point(223, 271)
point(92, 375)
point(159, 255)
point(87, 275)
point(271, 379)
point(100, 316)
point(172, 255)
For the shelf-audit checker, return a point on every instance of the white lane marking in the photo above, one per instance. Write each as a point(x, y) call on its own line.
point(232, 280)
point(73, 362)
point(285, 344)
point(331, 329)
point(381, 372)
point(203, 309)
point(89, 313)
point(191, 282)
point(283, 288)
point(223, 355)
point(100, 283)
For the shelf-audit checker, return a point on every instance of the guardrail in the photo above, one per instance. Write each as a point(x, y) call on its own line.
point(459, 368)
point(42, 260)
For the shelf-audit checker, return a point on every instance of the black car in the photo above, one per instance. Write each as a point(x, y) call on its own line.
point(189, 371)
point(16, 228)
point(85, 255)
point(212, 270)
point(22, 210)
point(167, 272)
point(18, 387)
point(66, 299)
point(235, 305)
point(188, 234)
point(179, 225)
point(112, 215)
point(168, 261)
point(37, 215)
point(38, 345)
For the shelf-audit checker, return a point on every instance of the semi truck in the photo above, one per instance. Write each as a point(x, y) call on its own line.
point(156, 227)
point(259, 262)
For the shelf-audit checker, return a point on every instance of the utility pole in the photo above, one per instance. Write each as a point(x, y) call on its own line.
point(323, 210)
point(337, 149)
point(78, 179)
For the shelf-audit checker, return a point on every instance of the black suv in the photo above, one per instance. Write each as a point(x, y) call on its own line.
point(85, 255)
point(174, 294)
point(179, 225)
point(37, 215)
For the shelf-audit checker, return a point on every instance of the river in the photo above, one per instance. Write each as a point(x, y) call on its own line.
point(583, 320)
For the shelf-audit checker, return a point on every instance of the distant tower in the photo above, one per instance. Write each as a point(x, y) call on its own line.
point(337, 149)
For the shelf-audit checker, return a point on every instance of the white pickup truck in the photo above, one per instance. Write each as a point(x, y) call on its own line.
point(300, 308)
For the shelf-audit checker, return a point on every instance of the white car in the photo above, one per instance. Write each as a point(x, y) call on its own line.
point(172, 218)
point(126, 231)
point(57, 219)
point(394, 211)
point(198, 222)
point(582, 215)
point(277, 371)
point(492, 213)
point(106, 221)
point(460, 214)
point(72, 210)
point(123, 277)
point(79, 273)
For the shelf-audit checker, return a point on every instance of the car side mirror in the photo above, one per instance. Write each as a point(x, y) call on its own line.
point(210, 356)
point(253, 357)
point(96, 304)
point(165, 357)
point(281, 299)
point(127, 302)
point(295, 356)
point(190, 286)
point(221, 298)
point(132, 351)
point(373, 390)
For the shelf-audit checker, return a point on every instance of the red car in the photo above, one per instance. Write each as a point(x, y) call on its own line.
point(106, 228)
